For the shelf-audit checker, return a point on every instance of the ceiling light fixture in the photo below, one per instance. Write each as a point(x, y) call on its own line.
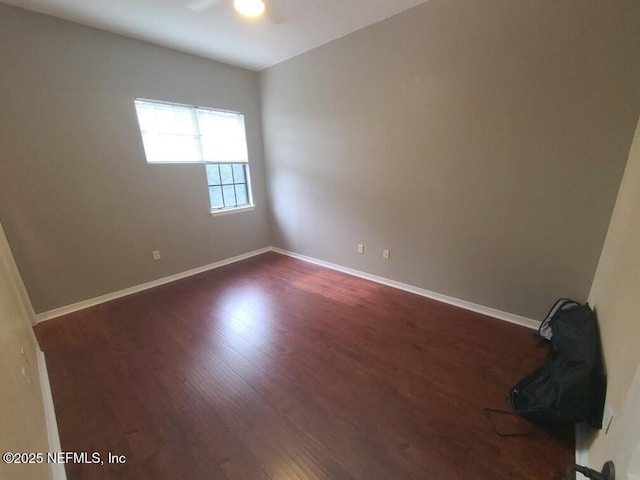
point(249, 8)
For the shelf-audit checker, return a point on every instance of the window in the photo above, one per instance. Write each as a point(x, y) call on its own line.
point(227, 185)
point(184, 134)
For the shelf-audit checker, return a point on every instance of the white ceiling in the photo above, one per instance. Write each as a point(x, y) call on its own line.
point(219, 33)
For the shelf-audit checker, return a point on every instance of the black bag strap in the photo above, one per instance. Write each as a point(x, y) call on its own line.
point(491, 412)
point(544, 330)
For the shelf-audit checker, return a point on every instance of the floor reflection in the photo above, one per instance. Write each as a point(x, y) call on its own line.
point(245, 322)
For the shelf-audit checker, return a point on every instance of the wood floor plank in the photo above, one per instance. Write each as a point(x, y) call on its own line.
point(273, 368)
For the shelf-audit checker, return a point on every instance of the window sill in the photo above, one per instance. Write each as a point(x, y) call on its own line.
point(229, 211)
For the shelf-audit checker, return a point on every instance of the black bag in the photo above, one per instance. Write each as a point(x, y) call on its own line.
point(571, 385)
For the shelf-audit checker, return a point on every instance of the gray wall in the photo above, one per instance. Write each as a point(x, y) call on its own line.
point(81, 208)
point(483, 142)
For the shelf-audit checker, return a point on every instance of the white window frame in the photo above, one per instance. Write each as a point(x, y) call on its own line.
point(239, 208)
point(240, 154)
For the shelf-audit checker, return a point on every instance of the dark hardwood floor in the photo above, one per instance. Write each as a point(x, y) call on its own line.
point(275, 369)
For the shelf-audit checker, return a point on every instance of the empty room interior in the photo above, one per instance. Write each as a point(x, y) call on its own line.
point(300, 240)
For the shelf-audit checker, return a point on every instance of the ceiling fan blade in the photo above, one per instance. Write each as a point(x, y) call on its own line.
point(273, 11)
point(202, 5)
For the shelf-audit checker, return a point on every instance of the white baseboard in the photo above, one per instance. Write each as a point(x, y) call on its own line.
point(456, 302)
point(474, 307)
point(582, 450)
point(57, 469)
point(57, 312)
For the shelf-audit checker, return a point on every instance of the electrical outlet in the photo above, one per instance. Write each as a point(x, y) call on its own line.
point(156, 254)
point(386, 253)
point(360, 248)
point(607, 417)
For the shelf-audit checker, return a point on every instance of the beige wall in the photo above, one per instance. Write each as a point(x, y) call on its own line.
point(22, 422)
point(614, 295)
point(80, 206)
point(483, 142)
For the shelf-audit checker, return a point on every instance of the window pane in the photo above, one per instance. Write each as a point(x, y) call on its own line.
point(238, 173)
point(213, 174)
point(241, 194)
point(229, 196)
point(223, 136)
point(169, 132)
point(215, 196)
point(171, 148)
point(225, 174)
point(166, 118)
